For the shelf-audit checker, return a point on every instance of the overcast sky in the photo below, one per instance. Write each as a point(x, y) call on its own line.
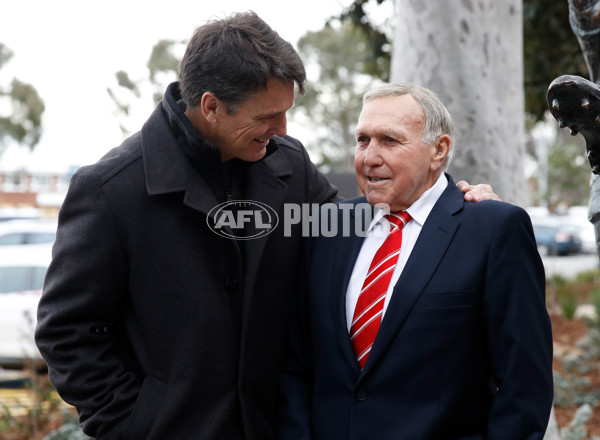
point(69, 50)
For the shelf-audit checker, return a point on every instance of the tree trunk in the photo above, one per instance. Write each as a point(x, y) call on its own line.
point(470, 53)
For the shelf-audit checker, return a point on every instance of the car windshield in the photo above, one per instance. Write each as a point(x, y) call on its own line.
point(21, 278)
point(16, 238)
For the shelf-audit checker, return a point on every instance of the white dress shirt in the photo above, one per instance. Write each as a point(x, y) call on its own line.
point(376, 235)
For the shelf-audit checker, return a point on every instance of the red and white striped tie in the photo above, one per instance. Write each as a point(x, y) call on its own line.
point(369, 307)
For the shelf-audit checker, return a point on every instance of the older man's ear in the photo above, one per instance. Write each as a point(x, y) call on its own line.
point(442, 150)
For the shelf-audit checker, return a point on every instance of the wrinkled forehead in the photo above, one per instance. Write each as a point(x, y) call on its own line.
point(390, 114)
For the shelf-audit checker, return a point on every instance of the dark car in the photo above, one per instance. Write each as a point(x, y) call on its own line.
point(555, 239)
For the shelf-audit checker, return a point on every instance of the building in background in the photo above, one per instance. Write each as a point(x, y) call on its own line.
point(24, 193)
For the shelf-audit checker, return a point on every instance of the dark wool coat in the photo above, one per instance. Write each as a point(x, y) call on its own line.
point(137, 321)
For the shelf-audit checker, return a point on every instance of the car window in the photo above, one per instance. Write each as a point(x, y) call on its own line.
point(14, 279)
point(39, 237)
point(21, 278)
point(12, 238)
point(37, 277)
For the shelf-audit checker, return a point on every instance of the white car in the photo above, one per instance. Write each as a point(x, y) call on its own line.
point(27, 232)
point(22, 272)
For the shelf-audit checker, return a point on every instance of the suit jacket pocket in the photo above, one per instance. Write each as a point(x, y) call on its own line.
point(146, 408)
point(431, 300)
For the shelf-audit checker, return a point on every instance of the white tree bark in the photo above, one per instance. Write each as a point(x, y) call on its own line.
point(470, 53)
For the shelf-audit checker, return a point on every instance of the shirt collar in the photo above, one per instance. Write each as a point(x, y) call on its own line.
point(420, 209)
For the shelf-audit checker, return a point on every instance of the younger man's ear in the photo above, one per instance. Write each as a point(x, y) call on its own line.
point(209, 104)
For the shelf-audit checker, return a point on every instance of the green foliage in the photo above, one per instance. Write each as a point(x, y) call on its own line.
point(124, 81)
point(578, 289)
point(163, 59)
point(23, 121)
point(558, 280)
point(595, 299)
point(337, 57)
point(549, 45)
point(24, 124)
point(567, 303)
point(42, 412)
point(554, 286)
point(550, 50)
point(568, 172)
point(38, 414)
point(130, 92)
point(5, 55)
point(588, 276)
point(377, 59)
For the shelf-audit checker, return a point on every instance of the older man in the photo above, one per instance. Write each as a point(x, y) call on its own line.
point(436, 330)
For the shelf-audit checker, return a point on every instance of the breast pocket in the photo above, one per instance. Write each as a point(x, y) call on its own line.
point(434, 300)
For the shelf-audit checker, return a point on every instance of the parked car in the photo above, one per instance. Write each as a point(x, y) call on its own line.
point(19, 214)
point(22, 272)
point(578, 215)
point(27, 232)
point(553, 238)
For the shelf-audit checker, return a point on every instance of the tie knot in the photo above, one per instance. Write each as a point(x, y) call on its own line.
point(399, 219)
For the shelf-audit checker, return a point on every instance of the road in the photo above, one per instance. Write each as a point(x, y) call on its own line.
point(569, 266)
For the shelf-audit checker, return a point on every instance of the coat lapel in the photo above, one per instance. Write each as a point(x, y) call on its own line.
point(167, 169)
point(264, 185)
point(437, 234)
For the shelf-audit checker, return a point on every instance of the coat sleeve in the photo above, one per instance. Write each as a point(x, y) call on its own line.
point(320, 190)
point(79, 314)
point(296, 380)
point(518, 332)
point(296, 383)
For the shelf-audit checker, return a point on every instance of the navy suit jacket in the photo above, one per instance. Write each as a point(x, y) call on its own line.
point(464, 350)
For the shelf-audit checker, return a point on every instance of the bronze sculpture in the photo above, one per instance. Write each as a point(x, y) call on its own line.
point(575, 101)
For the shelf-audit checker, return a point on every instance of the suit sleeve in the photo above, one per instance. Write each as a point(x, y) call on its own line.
point(518, 332)
point(79, 314)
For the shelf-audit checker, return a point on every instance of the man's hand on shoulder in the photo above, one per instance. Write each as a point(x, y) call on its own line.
point(477, 193)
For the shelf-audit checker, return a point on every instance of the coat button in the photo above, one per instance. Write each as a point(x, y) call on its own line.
point(361, 395)
point(99, 330)
point(231, 283)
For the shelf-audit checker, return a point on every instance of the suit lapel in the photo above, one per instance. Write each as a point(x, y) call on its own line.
point(434, 239)
point(346, 253)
